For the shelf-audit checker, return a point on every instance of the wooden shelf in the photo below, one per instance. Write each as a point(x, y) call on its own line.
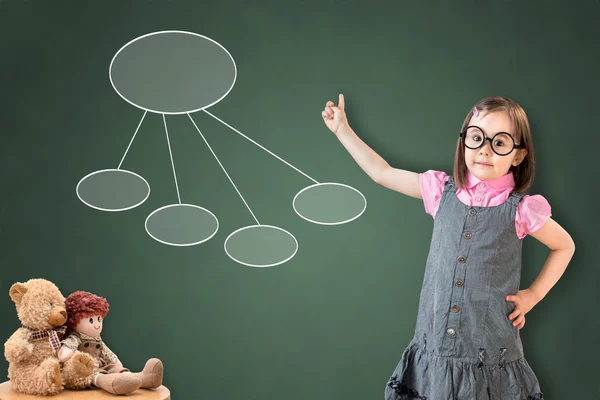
point(160, 393)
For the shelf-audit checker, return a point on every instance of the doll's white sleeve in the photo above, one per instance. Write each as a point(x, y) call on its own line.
point(72, 342)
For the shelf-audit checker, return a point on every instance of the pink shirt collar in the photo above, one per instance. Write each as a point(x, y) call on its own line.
point(504, 182)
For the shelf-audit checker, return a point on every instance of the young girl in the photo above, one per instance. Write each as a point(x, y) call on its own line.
point(466, 344)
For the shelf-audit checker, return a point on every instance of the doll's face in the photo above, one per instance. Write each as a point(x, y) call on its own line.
point(91, 326)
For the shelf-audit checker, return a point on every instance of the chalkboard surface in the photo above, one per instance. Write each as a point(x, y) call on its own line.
point(232, 234)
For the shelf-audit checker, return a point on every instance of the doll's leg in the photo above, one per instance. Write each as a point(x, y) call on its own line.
point(78, 371)
point(152, 374)
point(43, 379)
point(117, 383)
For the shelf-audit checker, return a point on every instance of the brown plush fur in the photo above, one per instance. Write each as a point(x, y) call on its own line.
point(78, 371)
point(33, 366)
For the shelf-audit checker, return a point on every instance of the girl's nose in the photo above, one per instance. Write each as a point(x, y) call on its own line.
point(486, 147)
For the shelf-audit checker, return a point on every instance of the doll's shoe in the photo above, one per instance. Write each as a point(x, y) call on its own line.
point(83, 364)
point(152, 374)
point(118, 383)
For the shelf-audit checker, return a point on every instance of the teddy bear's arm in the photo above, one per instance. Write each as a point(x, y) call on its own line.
point(18, 348)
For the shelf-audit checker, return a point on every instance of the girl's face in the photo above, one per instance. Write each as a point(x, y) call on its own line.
point(483, 162)
point(91, 326)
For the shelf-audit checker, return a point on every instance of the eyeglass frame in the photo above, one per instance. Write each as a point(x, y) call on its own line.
point(463, 134)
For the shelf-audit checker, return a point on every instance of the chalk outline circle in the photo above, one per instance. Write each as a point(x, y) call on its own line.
point(112, 169)
point(180, 205)
point(328, 223)
point(171, 31)
point(260, 226)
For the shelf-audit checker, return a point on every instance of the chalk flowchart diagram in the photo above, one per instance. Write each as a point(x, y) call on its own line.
point(166, 73)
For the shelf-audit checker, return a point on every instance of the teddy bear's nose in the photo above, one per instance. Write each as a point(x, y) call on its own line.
point(63, 313)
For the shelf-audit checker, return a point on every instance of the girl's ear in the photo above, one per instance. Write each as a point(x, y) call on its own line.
point(521, 153)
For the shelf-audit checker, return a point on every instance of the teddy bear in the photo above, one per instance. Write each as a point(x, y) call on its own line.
point(86, 313)
point(31, 352)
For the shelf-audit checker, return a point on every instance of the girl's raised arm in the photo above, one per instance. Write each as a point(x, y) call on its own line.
point(400, 180)
point(373, 164)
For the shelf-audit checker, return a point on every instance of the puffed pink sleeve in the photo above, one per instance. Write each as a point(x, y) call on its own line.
point(432, 183)
point(533, 212)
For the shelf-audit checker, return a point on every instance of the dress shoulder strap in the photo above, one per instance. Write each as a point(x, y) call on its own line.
point(450, 186)
point(515, 198)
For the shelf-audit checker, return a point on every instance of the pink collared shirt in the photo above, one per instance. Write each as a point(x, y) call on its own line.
point(532, 212)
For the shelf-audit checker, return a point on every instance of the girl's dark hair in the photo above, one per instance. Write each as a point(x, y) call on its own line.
point(524, 173)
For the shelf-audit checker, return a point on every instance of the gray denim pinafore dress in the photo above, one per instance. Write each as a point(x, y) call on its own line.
point(464, 346)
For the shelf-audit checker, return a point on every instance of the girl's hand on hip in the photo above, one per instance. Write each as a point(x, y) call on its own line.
point(524, 301)
point(335, 117)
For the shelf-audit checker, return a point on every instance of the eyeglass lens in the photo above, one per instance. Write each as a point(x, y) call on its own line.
point(502, 143)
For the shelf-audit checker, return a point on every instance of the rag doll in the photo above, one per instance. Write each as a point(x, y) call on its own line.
point(86, 313)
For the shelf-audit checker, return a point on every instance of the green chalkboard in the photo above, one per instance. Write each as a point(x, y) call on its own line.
point(251, 290)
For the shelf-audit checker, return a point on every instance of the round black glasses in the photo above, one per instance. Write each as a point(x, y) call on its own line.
point(502, 143)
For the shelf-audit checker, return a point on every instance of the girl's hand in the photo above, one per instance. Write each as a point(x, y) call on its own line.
point(524, 301)
point(335, 117)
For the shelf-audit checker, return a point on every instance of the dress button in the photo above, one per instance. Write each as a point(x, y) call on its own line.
point(468, 235)
point(477, 199)
point(459, 283)
point(451, 332)
point(462, 259)
point(455, 308)
point(472, 211)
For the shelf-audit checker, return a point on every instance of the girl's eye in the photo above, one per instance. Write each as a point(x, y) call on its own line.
point(499, 143)
point(91, 320)
point(98, 319)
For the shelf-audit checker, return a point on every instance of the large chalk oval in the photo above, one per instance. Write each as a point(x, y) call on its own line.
point(112, 190)
point(172, 72)
point(181, 224)
point(329, 203)
point(261, 246)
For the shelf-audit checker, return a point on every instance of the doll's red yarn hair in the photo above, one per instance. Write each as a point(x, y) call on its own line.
point(81, 305)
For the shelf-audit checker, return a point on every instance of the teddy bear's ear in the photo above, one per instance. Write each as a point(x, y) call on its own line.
point(17, 291)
